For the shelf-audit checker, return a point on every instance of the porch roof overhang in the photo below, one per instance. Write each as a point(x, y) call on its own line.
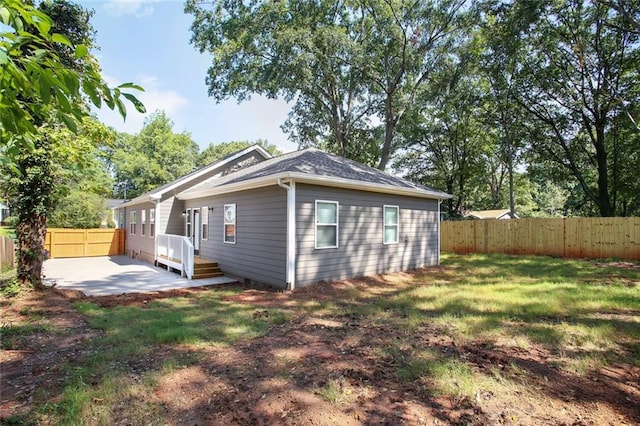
point(320, 180)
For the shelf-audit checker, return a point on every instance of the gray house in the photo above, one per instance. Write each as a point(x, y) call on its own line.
point(294, 220)
point(160, 212)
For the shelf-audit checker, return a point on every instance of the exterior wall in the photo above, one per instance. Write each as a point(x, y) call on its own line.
point(360, 248)
point(261, 234)
point(169, 218)
point(142, 247)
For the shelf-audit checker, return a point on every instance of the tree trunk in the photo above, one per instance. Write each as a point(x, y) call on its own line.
point(31, 255)
point(604, 204)
point(33, 199)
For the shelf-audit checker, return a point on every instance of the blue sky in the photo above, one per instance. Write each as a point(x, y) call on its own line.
point(147, 42)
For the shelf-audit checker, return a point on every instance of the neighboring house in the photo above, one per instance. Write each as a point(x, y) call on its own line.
point(4, 213)
point(159, 212)
point(110, 216)
point(492, 214)
point(297, 219)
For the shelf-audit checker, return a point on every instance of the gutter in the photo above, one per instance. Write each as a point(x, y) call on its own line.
point(313, 180)
point(291, 232)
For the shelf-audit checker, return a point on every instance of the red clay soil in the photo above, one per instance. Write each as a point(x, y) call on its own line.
point(278, 378)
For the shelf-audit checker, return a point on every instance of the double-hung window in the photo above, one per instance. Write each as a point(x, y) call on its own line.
point(230, 223)
point(132, 222)
point(143, 219)
point(187, 230)
point(152, 223)
point(204, 214)
point(390, 219)
point(326, 224)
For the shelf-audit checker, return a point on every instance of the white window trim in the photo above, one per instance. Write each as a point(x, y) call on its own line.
point(187, 225)
point(384, 225)
point(204, 219)
point(152, 221)
point(133, 219)
point(337, 224)
point(225, 223)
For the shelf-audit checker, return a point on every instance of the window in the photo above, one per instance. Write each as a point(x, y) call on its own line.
point(230, 223)
point(143, 220)
point(326, 224)
point(121, 219)
point(152, 223)
point(188, 223)
point(132, 222)
point(390, 221)
point(204, 214)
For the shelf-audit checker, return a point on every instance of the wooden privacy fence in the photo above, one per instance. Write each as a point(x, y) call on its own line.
point(594, 238)
point(84, 242)
point(7, 252)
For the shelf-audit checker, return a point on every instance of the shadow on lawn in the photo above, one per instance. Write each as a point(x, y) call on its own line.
point(233, 356)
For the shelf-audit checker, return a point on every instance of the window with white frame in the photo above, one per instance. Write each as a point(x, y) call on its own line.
point(152, 223)
point(326, 224)
point(121, 219)
point(143, 222)
point(204, 214)
point(390, 218)
point(188, 223)
point(132, 222)
point(230, 223)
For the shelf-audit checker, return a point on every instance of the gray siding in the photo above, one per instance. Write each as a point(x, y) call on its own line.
point(361, 250)
point(260, 251)
point(171, 219)
point(138, 245)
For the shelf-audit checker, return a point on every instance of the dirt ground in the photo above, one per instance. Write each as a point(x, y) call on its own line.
point(270, 379)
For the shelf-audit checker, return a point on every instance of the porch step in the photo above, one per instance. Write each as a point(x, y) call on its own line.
point(203, 268)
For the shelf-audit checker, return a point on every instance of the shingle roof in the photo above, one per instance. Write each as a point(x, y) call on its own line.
point(147, 196)
point(313, 162)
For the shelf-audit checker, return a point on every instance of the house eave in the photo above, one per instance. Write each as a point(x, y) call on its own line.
point(313, 180)
point(157, 195)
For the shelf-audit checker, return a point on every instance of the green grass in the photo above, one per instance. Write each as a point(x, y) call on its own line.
point(584, 315)
point(133, 336)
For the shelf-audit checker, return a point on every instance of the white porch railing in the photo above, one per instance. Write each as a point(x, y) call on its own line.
point(175, 251)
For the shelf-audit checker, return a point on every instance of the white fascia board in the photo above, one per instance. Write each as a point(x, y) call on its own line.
point(313, 180)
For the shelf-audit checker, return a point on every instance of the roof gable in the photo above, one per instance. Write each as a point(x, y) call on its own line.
point(212, 168)
point(315, 166)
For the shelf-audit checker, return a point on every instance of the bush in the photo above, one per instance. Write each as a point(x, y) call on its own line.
point(11, 221)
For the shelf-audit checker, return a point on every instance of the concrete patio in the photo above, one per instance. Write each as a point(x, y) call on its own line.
point(101, 276)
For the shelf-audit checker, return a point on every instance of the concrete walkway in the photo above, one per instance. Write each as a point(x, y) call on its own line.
point(100, 276)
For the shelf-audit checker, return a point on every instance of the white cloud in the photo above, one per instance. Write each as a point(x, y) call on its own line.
point(155, 97)
point(137, 8)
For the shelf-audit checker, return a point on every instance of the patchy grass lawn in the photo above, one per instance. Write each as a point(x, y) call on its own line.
point(481, 340)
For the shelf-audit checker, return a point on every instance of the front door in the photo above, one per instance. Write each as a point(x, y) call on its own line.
point(196, 230)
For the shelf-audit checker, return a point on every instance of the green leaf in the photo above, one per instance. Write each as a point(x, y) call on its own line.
point(131, 86)
point(69, 122)
point(3, 57)
point(122, 109)
point(139, 106)
point(59, 38)
point(81, 51)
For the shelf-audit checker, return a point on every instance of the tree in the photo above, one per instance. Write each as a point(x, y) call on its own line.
point(576, 73)
point(44, 78)
point(219, 151)
point(352, 67)
point(153, 157)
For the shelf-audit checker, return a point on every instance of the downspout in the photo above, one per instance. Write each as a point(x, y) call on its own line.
point(291, 233)
point(439, 219)
point(156, 222)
